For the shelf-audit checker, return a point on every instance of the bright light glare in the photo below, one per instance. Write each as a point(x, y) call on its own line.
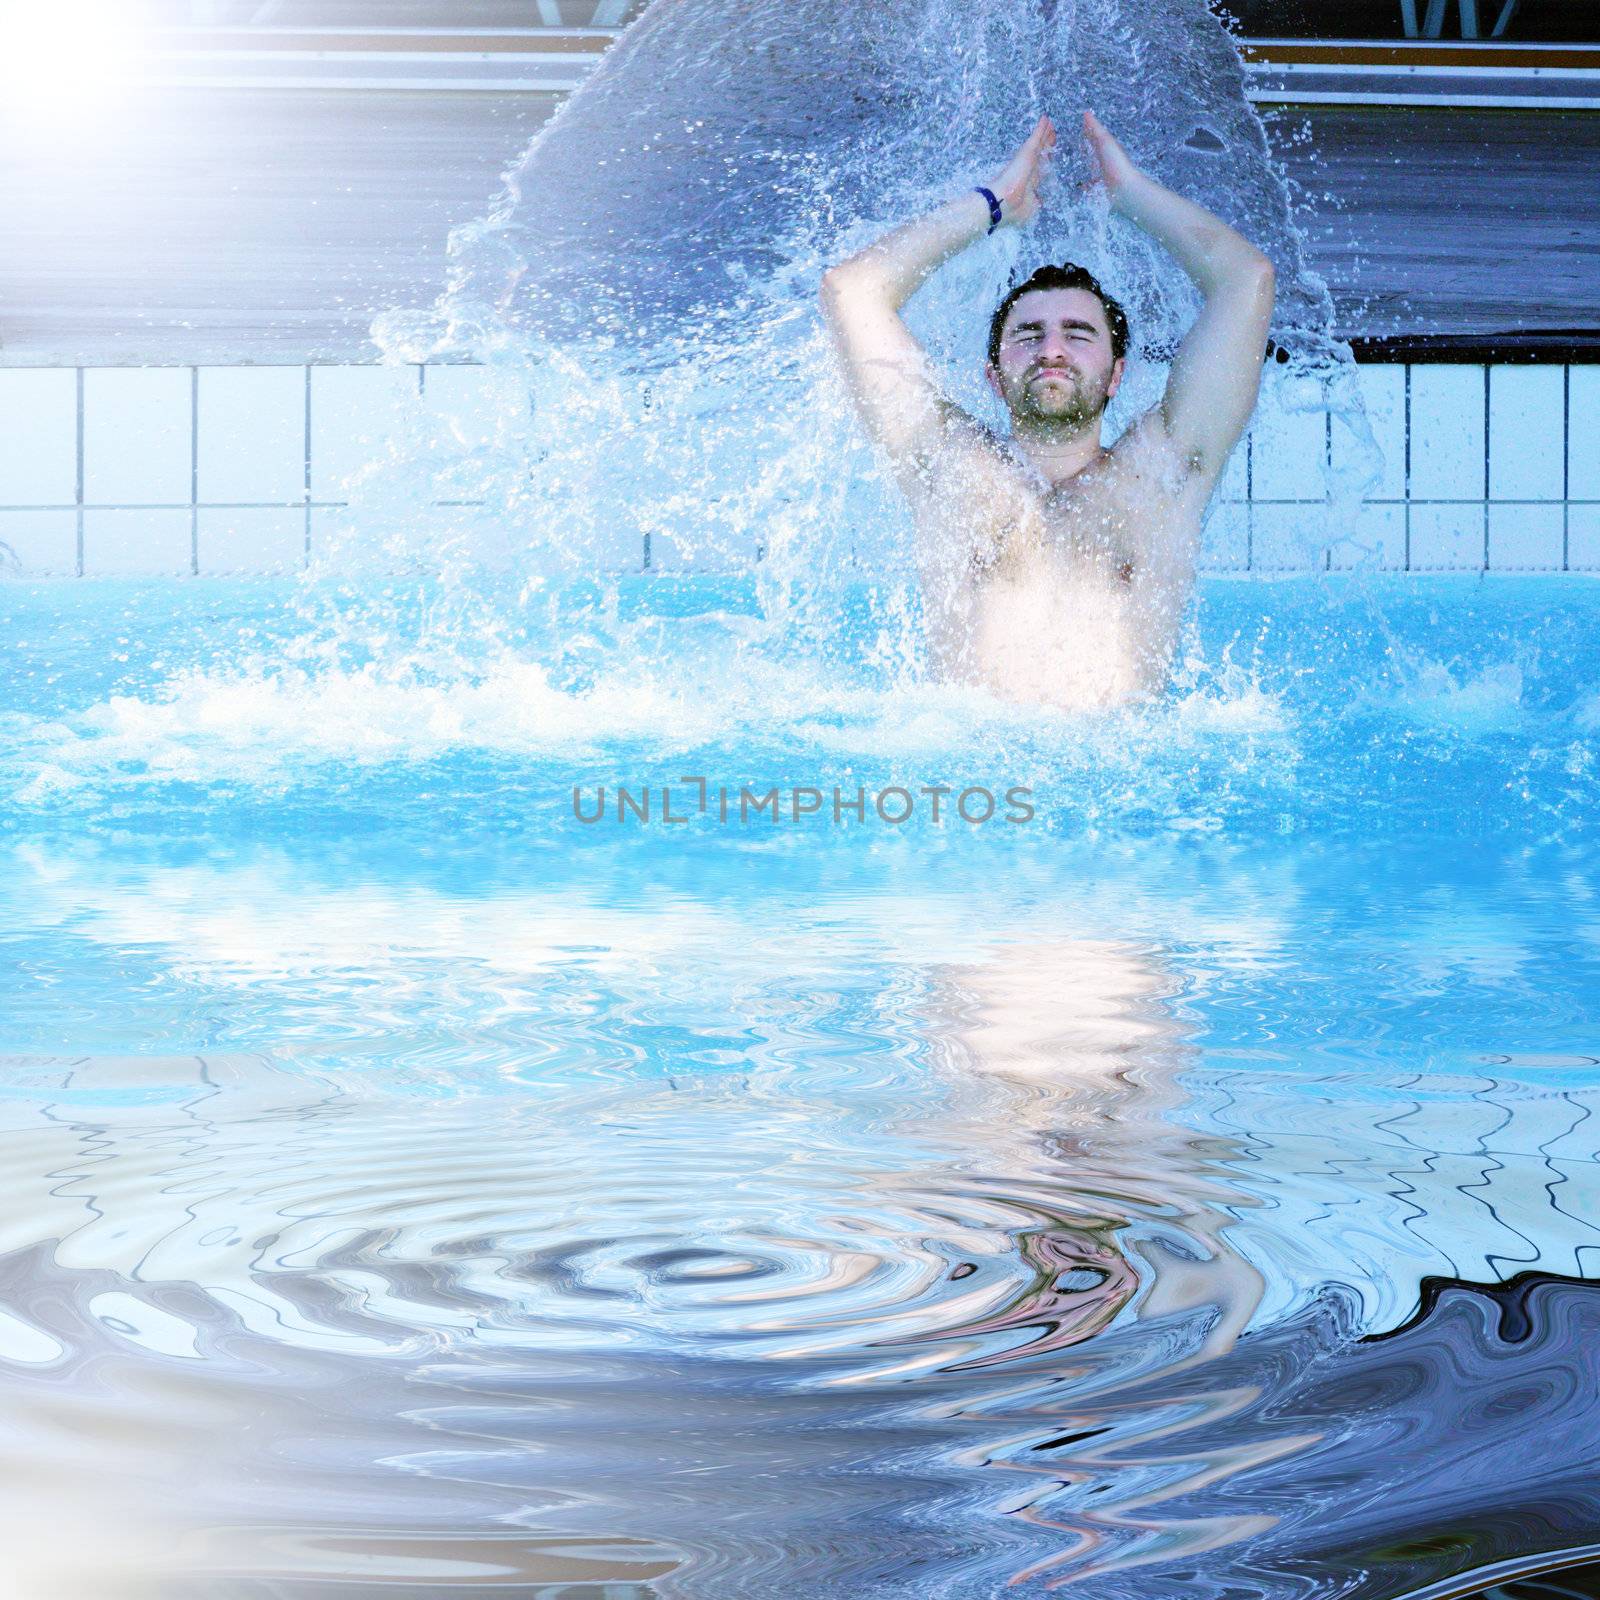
point(65, 55)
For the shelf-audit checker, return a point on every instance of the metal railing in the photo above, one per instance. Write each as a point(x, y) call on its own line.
point(1548, 77)
point(1485, 21)
point(1433, 20)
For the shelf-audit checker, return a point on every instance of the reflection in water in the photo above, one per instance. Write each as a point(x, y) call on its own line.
point(1081, 1025)
point(801, 1244)
point(1085, 1025)
point(554, 1288)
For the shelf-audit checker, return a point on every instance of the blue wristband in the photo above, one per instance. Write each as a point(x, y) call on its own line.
point(994, 207)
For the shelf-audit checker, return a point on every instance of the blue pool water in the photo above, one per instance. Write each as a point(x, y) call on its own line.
point(412, 1188)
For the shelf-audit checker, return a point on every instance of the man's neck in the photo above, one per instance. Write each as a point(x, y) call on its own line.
point(1057, 454)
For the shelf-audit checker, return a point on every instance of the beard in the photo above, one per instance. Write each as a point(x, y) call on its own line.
point(1074, 401)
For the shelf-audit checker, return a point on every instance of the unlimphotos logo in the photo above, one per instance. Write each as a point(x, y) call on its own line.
point(696, 797)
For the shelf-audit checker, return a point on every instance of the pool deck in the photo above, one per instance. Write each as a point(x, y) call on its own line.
point(267, 225)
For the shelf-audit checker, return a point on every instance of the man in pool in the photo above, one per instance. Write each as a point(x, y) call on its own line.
point(1054, 569)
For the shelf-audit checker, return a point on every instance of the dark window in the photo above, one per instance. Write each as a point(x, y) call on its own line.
point(1521, 21)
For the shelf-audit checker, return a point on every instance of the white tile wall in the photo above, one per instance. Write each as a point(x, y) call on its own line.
point(1382, 390)
point(1286, 538)
point(356, 413)
point(138, 436)
point(39, 543)
point(154, 542)
point(1227, 536)
point(1447, 537)
point(1446, 433)
point(244, 539)
point(1377, 540)
point(224, 450)
point(252, 435)
point(39, 437)
point(330, 526)
point(1583, 434)
point(472, 406)
point(1287, 448)
point(1526, 538)
point(1525, 433)
point(1234, 483)
point(1583, 538)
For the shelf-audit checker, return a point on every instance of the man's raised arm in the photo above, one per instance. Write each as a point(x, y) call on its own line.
point(1216, 373)
point(890, 375)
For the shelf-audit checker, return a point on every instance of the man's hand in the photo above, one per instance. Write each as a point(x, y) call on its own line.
point(1117, 170)
point(1017, 186)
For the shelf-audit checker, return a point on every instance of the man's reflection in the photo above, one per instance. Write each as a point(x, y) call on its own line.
point(1080, 1037)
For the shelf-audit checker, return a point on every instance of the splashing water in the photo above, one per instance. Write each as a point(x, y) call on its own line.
point(651, 272)
point(1190, 1193)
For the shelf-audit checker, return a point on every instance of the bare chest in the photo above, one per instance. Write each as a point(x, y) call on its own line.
point(1088, 531)
point(1067, 593)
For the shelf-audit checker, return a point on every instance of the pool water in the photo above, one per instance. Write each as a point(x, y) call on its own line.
point(1188, 1190)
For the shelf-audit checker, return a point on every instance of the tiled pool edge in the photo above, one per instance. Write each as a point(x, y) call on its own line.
point(231, 470)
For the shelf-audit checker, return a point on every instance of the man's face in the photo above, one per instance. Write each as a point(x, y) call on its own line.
point(1055, 359)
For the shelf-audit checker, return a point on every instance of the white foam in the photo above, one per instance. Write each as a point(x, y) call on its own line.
point(1489, 701)
point(265, 724)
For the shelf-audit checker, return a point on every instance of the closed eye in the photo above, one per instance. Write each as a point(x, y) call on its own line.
point(1028, 333)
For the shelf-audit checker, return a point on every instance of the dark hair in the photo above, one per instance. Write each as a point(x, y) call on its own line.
point(1066, 276)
